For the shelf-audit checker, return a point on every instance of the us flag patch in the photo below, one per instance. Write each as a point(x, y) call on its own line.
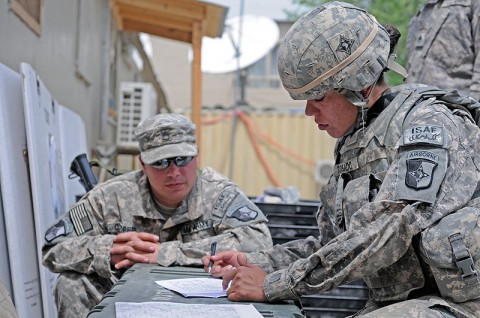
point(80, 220)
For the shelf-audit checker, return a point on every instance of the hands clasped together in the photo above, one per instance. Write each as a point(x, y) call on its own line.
point(129, 248)
point(243, 280)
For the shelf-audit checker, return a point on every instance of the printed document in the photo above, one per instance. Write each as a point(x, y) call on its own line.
point(175, 310)
point(195, 287)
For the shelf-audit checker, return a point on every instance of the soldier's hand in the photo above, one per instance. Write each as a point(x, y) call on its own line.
point(245, 282)
point(223, 262)
point(134, 247)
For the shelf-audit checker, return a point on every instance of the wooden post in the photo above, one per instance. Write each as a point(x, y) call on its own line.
point(197, 81)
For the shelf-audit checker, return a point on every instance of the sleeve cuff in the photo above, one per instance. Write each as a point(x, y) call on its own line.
point(167, 254)
point(260, 260)
point(101, 255)
point(276, 286)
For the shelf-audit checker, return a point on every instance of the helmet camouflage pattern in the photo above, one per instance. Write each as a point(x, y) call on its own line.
point(335, 46)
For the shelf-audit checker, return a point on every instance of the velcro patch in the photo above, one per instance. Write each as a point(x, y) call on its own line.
point(420, 174)
point(224, 200)
point(243, 214)
point(81, 221)
point(424, 134)
point(61, 228)
point(197, 226)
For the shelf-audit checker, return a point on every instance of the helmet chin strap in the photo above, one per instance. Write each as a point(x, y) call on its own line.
point(357, 99)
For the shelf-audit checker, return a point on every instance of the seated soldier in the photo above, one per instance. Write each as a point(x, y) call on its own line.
point(168, 213)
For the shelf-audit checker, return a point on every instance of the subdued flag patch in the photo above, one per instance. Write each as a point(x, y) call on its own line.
point(81, 221)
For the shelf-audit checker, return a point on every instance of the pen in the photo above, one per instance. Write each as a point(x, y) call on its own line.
point(213, 249)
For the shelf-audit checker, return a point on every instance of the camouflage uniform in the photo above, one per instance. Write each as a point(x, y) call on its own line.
point(409, 163)
point(78, 244)
point(442, 46)
point(8, 310)
point(414, 163)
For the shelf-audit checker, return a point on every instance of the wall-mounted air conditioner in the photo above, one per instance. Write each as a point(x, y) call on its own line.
point(323, 170)
point(137, 101)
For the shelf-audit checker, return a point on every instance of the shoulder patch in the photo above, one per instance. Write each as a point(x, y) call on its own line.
point(61, 228)
point(424, 134)
point(420, 174)
point(80, 220)
point(420, 169)
point(224, 200)
point(243, 214)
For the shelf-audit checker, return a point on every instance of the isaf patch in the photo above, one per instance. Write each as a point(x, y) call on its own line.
point(424, 134)
point(224, 200)
point(243, 214)
point(80, 219)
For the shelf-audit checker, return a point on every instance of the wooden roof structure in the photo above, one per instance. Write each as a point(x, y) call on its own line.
point(182, 20)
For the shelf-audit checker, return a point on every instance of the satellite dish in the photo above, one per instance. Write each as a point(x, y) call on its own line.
point(245, 40)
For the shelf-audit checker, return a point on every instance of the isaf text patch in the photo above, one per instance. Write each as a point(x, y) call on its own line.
point(243, 214)
point(80, 220)
point(224, 200)
point(424, 134)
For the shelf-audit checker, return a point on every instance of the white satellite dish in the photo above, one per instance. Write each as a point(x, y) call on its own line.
point(245, 40)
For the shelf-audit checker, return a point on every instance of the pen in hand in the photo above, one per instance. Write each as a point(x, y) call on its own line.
point(213, 249)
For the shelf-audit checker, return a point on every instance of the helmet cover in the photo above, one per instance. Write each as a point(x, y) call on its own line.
point(335, 46)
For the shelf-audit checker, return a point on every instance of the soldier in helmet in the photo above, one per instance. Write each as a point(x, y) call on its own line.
point(168, 213)
point(401, 209)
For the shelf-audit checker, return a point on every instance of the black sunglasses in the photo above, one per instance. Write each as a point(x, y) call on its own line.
point(165, 163)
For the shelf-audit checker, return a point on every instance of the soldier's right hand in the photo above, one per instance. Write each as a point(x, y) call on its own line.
point(223, 262)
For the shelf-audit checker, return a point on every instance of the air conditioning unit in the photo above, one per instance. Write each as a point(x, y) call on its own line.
point(323, 170)
point(137, 101)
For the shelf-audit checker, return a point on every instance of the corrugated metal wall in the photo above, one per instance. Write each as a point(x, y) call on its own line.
point(289, 142)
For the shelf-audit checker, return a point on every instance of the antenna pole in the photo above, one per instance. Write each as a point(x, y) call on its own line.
point(240, 89)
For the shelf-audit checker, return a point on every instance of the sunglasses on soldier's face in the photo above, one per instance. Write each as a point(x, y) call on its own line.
point(165, 163)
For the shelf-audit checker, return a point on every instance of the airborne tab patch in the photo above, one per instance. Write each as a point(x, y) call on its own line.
point(424, 134)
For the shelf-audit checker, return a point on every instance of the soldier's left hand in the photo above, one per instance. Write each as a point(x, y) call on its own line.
point(134, 247)
point(246, 282)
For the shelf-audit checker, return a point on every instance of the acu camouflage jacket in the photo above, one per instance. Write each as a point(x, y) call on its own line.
point(215, 210)
point(414, 163)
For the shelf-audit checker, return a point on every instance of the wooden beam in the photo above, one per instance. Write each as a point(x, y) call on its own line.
point(168, 33)
point(188, 9)
point(153, 18)
point(197, 82)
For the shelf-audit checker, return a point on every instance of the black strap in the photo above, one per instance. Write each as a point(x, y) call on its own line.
point(463, 259)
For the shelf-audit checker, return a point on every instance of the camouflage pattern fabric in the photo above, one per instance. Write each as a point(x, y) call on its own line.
point(327, 40)
point(166, 136)
point(442, 46)
point(412, 165)
point(78, 244)
point(6, 305)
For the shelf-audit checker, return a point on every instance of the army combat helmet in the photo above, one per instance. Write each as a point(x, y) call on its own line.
point(336, 46)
